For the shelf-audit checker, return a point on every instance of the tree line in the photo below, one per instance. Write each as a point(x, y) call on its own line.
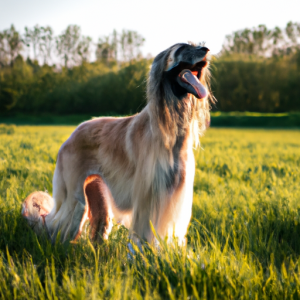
point(69, 49)
point(262, 41)
point(258, 69)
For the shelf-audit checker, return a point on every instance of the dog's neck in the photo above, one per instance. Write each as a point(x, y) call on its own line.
point(173, 120)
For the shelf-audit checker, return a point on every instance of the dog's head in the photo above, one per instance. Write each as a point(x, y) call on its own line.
point(183, 69)
point(178, 86)
point(186, 68)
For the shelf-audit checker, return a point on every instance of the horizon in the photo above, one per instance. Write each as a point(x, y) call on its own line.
point(163, 32)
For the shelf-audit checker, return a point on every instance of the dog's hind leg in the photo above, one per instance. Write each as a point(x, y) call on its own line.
point(97, 210)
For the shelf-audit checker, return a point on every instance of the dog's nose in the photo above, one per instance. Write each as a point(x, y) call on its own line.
point(205, 49)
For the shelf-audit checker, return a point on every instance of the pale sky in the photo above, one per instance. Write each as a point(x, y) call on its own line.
point(161, 22)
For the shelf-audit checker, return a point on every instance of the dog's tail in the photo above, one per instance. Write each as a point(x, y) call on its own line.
point(38, 205)
point(35, 208)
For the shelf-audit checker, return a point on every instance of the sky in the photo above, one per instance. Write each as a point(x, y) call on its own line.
point(161, 22)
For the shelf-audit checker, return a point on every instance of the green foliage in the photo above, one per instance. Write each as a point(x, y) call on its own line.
point(243, 240)
point(243, 83)
point(262, 120)
point(239, 84)
point(7, 129)
point(87, 89)
point(257, 70)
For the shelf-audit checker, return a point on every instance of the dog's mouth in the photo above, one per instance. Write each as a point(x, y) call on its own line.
point(186, 73)
point(190, 77)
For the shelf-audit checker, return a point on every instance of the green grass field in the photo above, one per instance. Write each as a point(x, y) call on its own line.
point(243, 239)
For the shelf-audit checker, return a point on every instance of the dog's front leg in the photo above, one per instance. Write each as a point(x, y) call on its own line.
point(140, 227)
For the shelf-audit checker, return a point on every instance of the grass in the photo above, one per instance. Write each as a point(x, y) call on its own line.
point(218, 119)
point(243, 239)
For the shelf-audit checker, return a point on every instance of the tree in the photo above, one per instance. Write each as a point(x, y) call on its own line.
point(3, 54)
point(106, 50)
point(124, 46)
point(248, 41)
point(261, 41)
point(47, 43)
point(33, 38)
point(292, 31)
point(83, 49)
point(12, 43)
point(130, 42)
point(67, 44)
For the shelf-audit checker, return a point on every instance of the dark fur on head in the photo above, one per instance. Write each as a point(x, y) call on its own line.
point(175, 113)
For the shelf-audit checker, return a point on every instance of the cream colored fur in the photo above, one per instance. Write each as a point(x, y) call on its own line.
point(134, 156)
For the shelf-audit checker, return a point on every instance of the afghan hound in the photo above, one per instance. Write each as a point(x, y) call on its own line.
point(135, 169)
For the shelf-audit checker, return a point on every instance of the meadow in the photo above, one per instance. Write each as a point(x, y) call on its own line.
point(243, 239)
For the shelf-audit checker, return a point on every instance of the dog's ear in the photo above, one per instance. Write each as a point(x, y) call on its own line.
point(96, 209)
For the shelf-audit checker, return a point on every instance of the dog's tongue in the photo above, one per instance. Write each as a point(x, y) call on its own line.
point(188, 77)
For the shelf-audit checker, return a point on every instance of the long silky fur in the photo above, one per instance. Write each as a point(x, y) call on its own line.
point(173, 115)
point(146, 160)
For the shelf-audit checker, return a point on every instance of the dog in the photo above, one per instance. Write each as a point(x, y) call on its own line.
point(138, 169)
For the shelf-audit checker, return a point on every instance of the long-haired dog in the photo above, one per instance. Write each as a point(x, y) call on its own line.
point(136, 169)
